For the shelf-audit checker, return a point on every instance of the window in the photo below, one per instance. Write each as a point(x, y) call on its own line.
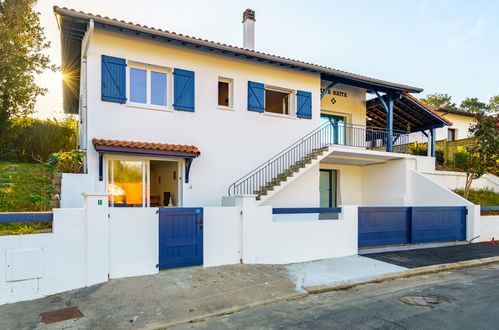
point(451, 134)
point(225, 92)
point(158, 88)
point(328, 188)
point(138, 85)
point(127, 183)
point(277, 101)
point(148, 86)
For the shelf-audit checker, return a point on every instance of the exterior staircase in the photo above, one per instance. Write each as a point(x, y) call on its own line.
point(283, 168)
point(292, 172)
point(273, 175)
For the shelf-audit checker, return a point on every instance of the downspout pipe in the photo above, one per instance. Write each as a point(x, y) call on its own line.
point(83, 92)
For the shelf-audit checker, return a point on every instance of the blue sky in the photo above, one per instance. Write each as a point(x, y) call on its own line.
point(442, 46)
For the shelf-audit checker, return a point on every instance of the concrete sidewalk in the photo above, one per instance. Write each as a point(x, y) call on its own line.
point(182, 295)
point(156, 300)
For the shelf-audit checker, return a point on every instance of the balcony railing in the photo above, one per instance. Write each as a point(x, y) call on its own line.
point(368, 137)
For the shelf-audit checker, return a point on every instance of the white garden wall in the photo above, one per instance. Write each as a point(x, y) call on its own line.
point(456, 180)
point(61, 256)
point(133, 241)
point(222, 236)
point(488, 228)
point(73, 187)
point(266, 241)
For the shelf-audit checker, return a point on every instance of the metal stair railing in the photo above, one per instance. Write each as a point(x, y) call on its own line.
point(281, 166)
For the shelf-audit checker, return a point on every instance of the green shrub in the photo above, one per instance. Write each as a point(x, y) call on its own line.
point(30, 140)
point(418, 149)
point(67, 162)
point(440, 155)
point(461, 156)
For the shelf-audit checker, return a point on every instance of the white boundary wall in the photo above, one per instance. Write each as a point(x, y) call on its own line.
point(73, 188)
point(456, 180)
point(222, 236)
point(36, 265)
point(489, 228)
point(267, 241)
point(133, 241)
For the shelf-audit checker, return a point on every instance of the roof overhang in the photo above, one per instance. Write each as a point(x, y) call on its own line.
point(73, 25)
point(409, 114)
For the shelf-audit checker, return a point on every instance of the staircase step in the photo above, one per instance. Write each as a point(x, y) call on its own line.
point(280, 178)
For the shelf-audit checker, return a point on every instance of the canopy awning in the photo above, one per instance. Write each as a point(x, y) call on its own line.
point(409, 114)
point(186, 152)
point(146, 148)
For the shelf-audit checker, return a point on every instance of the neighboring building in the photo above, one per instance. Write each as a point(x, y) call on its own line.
point(461, 122)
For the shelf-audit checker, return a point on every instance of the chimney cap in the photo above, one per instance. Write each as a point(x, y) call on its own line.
point(249, 14)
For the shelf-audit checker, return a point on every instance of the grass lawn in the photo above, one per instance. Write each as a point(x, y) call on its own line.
point(484, 197)
point(24, 187)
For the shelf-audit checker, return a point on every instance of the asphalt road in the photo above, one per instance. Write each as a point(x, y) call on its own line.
point(469, 299)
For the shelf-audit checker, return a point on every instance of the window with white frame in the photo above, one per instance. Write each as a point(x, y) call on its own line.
point(225, 93)
point(149, 85)
point(277, 100)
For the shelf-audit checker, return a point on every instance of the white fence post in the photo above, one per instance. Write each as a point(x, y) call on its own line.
point(97, 238)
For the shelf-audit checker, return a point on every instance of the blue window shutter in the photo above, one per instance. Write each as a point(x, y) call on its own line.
point(256, 96)
point(113, 80)
point(183, 91)
point(304, 104)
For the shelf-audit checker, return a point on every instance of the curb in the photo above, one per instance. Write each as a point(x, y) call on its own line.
point(405, 274)
point(344, 286)
point(232, 310)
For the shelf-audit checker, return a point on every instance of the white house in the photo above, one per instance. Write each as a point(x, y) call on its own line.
point(194, 129)
point(168, 119)
point(201, 153)
point(461, 122)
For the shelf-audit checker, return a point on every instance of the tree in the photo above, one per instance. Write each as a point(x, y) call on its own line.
point(493, 106)
point(22, 43)
point(471, 104)
point(484, 154)
point(439, 100)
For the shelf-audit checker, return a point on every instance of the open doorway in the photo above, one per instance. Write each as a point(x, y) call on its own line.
point(164, 184)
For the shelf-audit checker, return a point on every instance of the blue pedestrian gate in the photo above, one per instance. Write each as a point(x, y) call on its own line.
point(382, 226)
point(180, 237)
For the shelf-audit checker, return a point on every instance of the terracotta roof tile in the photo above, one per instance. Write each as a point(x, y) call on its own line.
point(146, 145)
point(430, 109)
point(226, 47)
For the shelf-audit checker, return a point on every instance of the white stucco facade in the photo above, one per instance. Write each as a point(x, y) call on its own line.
point(232, 142)
point(460, 123)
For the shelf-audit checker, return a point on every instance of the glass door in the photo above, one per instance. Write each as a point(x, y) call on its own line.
point(338, 131)
point(327, 188)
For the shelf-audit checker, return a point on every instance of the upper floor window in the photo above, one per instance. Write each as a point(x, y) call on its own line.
point(225, 92)
point(277, 101)
point(149, 85)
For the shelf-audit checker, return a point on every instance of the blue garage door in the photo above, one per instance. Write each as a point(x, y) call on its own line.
point(180, 237)
point(379, 226)
point(382, 226)
point(438, 224)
